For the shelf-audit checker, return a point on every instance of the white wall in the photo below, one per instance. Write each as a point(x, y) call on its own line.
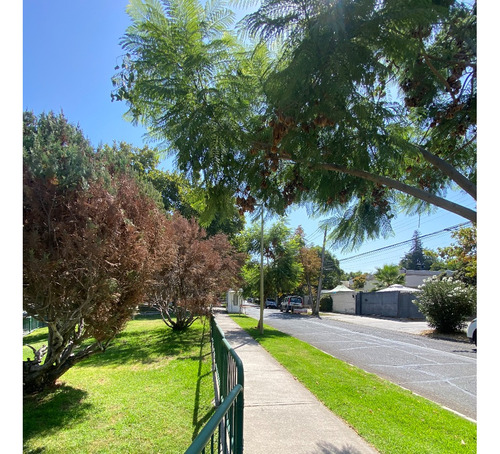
point(414, 278)
point(344, 302)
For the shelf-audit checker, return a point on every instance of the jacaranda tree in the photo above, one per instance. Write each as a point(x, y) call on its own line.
point(363, 107)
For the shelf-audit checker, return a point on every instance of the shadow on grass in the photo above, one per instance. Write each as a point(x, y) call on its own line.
point(62, 406)
point(146, 346)
point(148, 316)
point(200, 420)
point(130, 346)
point(249, 325)
point(52, 409)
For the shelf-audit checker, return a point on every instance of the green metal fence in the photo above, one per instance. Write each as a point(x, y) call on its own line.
point(30, 324)
point(219, 435)
point(224, 431)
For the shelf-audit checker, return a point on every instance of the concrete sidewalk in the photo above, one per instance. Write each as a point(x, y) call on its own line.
point(281, 415)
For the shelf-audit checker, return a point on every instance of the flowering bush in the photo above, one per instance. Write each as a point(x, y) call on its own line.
point(446, 303)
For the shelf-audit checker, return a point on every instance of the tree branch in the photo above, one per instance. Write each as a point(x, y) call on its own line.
point(438, 75)
point(449, 171)
point(39, 354)
point(468, 214)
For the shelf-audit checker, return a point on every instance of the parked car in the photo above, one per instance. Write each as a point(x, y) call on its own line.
point(290, 303)
point(270, 303)
point(472, 331)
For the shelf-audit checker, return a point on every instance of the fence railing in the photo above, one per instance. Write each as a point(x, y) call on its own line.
point(218, 435)
point(30, 324)
point(224, 431)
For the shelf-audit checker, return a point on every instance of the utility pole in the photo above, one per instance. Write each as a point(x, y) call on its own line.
point(261, 319)
point(318, 296)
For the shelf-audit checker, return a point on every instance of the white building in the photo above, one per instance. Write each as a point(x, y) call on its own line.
point(414, 278)
point(234, 301)
point(344, 299)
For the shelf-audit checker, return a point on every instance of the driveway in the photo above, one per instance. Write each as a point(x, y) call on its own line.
point(440, 370)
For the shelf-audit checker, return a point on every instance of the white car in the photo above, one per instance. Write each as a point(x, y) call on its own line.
point(290, 303)
point(270, 303)
point(472, 331)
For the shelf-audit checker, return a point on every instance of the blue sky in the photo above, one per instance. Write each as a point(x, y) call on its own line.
point(69, 51)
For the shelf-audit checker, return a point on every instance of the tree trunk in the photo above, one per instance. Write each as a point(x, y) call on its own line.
point(450, 171)
point(421, 194)
point(320, 283)
point(38, 375)
point(309, 289)
point(37, 378)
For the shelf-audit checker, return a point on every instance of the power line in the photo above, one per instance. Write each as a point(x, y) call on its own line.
point(392, 246)
point(415, 222)
point(390, 256)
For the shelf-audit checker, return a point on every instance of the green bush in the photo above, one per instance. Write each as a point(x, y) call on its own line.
point(446, 303)
point(326, 304)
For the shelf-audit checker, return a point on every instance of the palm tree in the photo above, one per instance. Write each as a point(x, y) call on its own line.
point(388, 275)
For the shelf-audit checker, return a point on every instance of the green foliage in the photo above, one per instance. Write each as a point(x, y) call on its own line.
point(331, 269)
point(125, 156)
point(171, 190)
point(186, 77)
point(56, 151)
point(447, 303)
point(462, 256)
point(138, 163)
point(388, 275)
point(317, 119)
point(326, 304)
point(332, 109)
point(416, 259)
point(362, 220)
point(282, 267)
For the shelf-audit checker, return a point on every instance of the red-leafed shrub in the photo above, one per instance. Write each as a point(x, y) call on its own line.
point(197, 270)
point(89, 250)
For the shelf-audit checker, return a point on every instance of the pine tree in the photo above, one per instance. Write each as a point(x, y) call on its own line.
point(416, 259)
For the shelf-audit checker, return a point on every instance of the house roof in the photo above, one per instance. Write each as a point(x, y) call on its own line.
point(339, 288)
point(399, 288)
point(427, 272)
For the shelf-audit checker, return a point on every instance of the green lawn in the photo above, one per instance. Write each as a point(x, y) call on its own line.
point(392, 419)
point(150, 392)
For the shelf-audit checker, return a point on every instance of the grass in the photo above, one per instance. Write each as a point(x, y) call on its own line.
point(392, 419)
point(151, 391)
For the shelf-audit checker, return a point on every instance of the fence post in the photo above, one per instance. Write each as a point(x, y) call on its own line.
point(359, 298)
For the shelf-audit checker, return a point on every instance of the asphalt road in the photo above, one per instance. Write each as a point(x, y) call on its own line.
point(439, 370)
